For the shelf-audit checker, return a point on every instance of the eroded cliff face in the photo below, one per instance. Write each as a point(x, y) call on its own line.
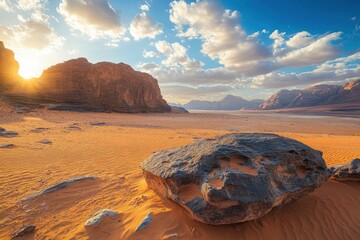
point(9, 68)
point(114, 87)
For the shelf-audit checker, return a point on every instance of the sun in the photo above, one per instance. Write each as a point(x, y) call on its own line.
point(29, 69)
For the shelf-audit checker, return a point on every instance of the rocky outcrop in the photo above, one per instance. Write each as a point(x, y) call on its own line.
point(347, 172)
point(99, 216)
point(9, 68)
point(235, 177)
point(112, 87)
point(315, 96)
point(176, 109)
point(229, 102)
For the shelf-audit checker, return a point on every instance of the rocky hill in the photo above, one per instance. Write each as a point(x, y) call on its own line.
point(114, 87)
point(315, 96)
point(229, 102)
point(78, 83)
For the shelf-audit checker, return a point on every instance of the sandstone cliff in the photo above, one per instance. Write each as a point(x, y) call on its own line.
point(9, 68)
point(114, 87)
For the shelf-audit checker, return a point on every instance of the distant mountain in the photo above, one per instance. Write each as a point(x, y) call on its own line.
point(229, 102)
point(315, 96)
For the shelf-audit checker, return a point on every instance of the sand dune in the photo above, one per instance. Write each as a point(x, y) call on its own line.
point(113, 153)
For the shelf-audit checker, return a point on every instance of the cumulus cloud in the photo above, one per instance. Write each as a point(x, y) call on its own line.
point(5, 5)
point(176, 56)
point(143, 26)
point(340, 69)
point(278, 39)
point(94, 18)
point(222, 37)
point(149, 54)
point(144, 7)
point(300, 39)
point(316, 52)
point(31, 4)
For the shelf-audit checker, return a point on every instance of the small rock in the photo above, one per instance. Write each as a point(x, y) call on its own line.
point(23, 110)
point(97, 123)
point(45, 141)
point(147, 220)
point(23, 231)
point(99, 216)
point(39, 130)
point(58, 187)
point(7, 145)
point(171, 236)
point(8, 134)
point(2, 129)
point(346, 172)
point(74, 127)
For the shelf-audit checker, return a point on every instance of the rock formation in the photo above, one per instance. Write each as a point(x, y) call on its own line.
point(349, 171)
point(229, 102)
point(113, 87)
point(315, 96)
point(235, 177)
point(9, 68)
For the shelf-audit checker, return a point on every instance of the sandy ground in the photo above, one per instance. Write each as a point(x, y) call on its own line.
point(113, 153)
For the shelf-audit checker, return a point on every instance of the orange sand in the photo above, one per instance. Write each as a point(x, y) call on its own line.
point(113, 154)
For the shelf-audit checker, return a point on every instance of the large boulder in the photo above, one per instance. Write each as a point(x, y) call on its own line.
point(113, 87)
point(349, 171)
point(235, 177)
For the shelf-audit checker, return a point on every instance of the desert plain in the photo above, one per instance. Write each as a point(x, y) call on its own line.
point(111, 146)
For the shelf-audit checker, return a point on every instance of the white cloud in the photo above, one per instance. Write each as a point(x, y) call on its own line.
point(5, 5)
point(176, 56)
point(149, 54)
point(353, 18)
point(317, 52)
point(94, 18)
point(340, 69)
point(144, 7)
point(300, 39)
point(222, 37)
point(278, 39)
point(143, 26)
point(31, 4)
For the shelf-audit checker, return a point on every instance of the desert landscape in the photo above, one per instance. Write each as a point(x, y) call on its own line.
point(131, 122)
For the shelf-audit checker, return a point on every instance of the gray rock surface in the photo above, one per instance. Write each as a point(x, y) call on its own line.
point(99, 216)
point(8, 134)
point(147, 220)
point(24, 231)
point(58, 187)
point(235, 177)
point(45, 141)
point(39, 130)
point(8, 145)
point(349, 171)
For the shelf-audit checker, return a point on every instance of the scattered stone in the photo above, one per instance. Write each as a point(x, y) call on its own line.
point(45, 141)
point(39, 130)
point(7, 145)
point(97, 123)
point(57, 187)
point(23, 231)
point(171, 236)
point(8, 134)
point(147, 220)
point(99, 216)
point(346, 172)
point(235, 177)
point(23, 110)
point(74, 127)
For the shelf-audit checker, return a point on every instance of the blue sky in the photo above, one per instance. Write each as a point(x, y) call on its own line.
point(196, 49)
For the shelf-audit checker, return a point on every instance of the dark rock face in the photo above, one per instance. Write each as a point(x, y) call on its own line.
point(175, 109)
point(112, 87)
point(9, 68)
point(24, 231)
point(235, 177)
point(315, 96)
point(349, 171)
